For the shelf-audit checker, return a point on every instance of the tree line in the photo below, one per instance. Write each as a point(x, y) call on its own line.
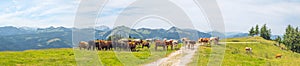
point(291, 38)
point(264, 32)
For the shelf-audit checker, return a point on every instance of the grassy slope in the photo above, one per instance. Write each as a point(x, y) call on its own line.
point(263, 54)
point(65, 56)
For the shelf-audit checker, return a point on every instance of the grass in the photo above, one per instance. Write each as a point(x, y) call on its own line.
point(264, 52)
point(66, 57)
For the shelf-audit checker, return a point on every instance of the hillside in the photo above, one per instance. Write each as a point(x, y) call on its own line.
point(263, 54)
point(66, 57)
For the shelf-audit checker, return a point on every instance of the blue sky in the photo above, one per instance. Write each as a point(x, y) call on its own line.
point(239, 15)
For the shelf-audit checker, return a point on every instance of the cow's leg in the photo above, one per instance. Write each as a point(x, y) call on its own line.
point(155, 47)
point(167, 47)
point(193, 46)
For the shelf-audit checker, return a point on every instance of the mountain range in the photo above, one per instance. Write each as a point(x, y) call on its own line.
point(24, 38)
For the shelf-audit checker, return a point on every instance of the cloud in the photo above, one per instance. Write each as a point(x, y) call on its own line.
point(39, 13)
point(239, 15)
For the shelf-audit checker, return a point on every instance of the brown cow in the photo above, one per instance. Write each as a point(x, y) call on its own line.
point(105, 45)
point(159, 43)
point(204, 41)
point(278, 55)
point(169, 43)
point(146, 44)
point(132, 45)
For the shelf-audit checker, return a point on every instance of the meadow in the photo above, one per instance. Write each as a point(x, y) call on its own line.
point(73, 57)
point(264, 52)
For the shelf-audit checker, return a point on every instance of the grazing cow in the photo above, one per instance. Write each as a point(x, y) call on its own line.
point(132, 45)
point(146, 44)
point(248, 50)
point(192, 43)
point(278, 56)
point(185, 41)
point(215, 40)
point(169, 43)
point(204, 41)
point(121, 44)
point(91, 45)
point(189, 43)
point(83, 45)
point(175, 43)
point(105, 45)
point(159, 43)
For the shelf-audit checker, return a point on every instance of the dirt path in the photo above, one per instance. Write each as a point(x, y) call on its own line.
point(177, 58)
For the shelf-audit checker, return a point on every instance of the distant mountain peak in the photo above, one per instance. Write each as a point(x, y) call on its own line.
point(102, 28)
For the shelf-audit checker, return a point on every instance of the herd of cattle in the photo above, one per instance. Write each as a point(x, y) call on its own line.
point(132, 44)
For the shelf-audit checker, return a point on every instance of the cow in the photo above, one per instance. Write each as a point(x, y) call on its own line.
point(192, 43)
point(169, 43)
point(159, 43)
point(83, 45)
point(278, 55)
point(105, 45)
point(175, 43)
point(189, 43)
point(132, 45)
point(214, 40)
point(121, 44)
point(91, 45)
point(204, 41)
point(185, 41)
point(146, 44)
point(248, 49)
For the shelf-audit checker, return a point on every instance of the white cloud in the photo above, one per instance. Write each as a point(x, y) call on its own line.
point(39, 13)
point(239, 15)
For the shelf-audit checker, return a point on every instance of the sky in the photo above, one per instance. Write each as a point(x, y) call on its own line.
point(238, 15)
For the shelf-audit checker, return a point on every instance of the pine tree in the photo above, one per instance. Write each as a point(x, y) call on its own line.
point(251, 32)
point(289, 37)
point(256, 30)
point(266, 34)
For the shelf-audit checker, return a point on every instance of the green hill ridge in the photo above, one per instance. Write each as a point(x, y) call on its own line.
point(264, 52)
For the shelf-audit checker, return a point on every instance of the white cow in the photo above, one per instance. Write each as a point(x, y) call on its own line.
point(248, 49)
point(214, 40)
point(83, 45)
